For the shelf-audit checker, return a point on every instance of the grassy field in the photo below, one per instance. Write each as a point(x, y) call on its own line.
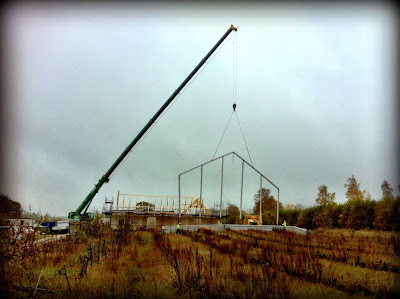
point(98, 262)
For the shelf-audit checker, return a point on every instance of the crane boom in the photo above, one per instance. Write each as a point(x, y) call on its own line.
point(78, 215)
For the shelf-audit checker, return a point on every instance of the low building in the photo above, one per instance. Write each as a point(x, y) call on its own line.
point(19, 224)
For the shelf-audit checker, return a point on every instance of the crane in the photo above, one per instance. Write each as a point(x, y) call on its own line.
point(81, 214)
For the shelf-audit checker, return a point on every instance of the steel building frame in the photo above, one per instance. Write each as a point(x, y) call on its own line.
point(222, 180)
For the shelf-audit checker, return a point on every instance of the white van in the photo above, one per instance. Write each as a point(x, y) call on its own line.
point(62, 227)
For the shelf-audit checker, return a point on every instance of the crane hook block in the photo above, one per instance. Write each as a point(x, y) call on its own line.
point(233, 27)
point(234, 107)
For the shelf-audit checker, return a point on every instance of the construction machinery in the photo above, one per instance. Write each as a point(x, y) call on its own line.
point(252, 220)
point(81, 214)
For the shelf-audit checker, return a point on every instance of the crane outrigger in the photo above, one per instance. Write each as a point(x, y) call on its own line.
point(81, 213)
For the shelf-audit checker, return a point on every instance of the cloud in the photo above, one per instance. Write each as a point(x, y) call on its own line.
point(312, 96)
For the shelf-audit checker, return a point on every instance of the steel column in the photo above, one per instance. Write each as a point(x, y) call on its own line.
point(222, 181)
point(179, 208)
point(277, 210)
point(260, 196)
point(241, 194)
point(201, 188)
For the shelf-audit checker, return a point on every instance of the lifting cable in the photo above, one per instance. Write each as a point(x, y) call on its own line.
point(248, 152)
point(234, 63)
point(234, 98)
point(223, 135)
point(241, 131)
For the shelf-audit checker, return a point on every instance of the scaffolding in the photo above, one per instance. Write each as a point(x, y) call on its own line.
point(136, 203)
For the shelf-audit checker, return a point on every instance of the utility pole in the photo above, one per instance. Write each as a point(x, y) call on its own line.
point(30, 216)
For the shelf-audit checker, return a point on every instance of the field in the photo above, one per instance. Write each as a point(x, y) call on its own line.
point(98, 262)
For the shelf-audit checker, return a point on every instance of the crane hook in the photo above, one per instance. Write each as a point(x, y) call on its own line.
point(234, 107)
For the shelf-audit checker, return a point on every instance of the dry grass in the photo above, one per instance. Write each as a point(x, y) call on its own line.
point(100, 263)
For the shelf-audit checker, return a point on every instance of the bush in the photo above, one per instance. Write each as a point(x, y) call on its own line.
point(327, 216)
point(269, 218)
point(306, 217)
point(290, 216)
point(385, 214)
point(359, 215)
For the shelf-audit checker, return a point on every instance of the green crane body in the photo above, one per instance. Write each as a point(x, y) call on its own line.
point(81, 213)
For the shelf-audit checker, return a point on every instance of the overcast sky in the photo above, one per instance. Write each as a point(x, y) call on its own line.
point(315, 95)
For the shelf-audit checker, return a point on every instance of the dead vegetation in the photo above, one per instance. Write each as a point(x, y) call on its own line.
point(100, 262)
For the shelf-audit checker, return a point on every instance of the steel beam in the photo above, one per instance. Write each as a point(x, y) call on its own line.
point(201, 188)
point(222, 183)
point(179, 208)
point(260, 197)
point(241, 193)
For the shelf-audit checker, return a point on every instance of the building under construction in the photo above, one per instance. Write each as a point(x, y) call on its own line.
point(152, 211)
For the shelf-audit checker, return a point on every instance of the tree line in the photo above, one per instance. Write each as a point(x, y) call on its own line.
point(10, 209)
point(359, 212)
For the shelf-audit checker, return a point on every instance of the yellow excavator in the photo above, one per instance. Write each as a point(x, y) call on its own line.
point(252, 220)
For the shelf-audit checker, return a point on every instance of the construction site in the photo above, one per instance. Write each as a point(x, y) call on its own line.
point(187, 245)
point(151, 211)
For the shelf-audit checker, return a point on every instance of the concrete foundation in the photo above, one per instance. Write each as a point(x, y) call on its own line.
point(157, 220)
point(172, 229)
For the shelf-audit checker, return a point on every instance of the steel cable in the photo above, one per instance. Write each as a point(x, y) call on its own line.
point(248, 152)
point(222, 135)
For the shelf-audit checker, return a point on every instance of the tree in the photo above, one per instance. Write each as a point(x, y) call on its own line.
point(298, 207)
point(326, 216)
point(353, 192)
point(268, 202)
point(384, 214)
point(233, 214)
point(325, 198)
point(289, 207)
point(290, 216)
point(361, 215)
point(46, 217)
point(387, 190)
point(144, 206)
point(305, 219)
point(9, 208)
point(367, 195)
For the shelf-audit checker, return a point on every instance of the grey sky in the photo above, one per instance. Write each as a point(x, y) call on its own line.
point(315, 96)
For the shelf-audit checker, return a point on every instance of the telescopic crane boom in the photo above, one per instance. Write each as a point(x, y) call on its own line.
point(81, 212)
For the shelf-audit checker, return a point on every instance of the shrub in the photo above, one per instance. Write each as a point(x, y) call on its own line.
point(306, 217)
point(384, 214)
point(291, 216)
point(327, 217)
point(357, 215)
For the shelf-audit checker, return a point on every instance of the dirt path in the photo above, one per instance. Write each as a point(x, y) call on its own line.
point(49, 238)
